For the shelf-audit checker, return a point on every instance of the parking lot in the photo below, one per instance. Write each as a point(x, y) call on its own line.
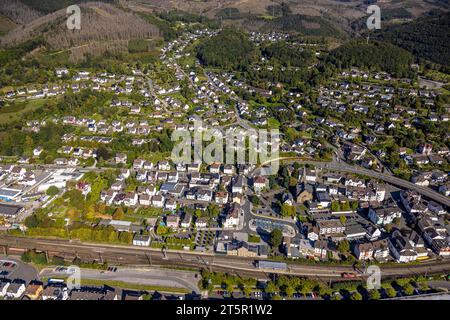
point(7, 267)
point(13, 269)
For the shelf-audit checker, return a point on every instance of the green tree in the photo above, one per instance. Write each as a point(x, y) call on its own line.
point(118, 214)
point(391, 292)
point(343, 246)
point(356, 296)
point(409, 289)
point(374, 294)
point(31, 221)
point(52, 191)
point(289, 290)
point(276, 237)
point(335, 206)
point(287, 210)
point(246, 290)
point(26, 257)
point(271, 288)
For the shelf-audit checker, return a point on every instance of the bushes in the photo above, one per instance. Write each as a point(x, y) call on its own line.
point(34, 257)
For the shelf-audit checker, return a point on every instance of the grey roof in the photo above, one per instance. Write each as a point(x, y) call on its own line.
point(9, 210)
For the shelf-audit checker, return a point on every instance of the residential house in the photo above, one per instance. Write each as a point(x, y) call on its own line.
point(121, 158)
point(238, 184)
point(401, 248)
point(383, 216)
point(172, 221)
point(260, 183)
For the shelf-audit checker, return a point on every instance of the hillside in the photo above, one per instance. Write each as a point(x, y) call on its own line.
point(104, 28)
point(374, 55)
point(229, 50)
point(427, 37)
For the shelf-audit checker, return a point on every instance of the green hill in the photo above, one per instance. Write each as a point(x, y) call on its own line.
point(427, 37)
point(374, 55)
point(230, 49)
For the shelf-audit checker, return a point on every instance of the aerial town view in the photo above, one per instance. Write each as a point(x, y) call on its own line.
point(225, 150)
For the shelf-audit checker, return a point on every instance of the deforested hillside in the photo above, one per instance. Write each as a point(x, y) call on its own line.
point(104, 27)
point(48, 6)
point(18, 12)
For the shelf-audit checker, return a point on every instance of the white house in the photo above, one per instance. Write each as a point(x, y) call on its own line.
point(144, 200)
point(232, 217)
point(383, 216)
point(37, 151)
point(141, 240)
point(3, 287)
point(260, 183)
point(15, 290)
point(158, 201)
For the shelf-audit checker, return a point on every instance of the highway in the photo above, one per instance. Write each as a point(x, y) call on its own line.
point(149, 257)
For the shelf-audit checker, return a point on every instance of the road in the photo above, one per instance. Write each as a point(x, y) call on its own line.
point(241, 121)
point(344, 167)
point(149, 257)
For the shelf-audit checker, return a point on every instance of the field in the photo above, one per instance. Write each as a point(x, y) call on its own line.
point(15, 112)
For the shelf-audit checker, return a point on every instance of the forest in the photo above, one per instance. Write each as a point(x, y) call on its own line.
point(427, 37)
point(229, 50)
point(287, 55)
point(375, 55)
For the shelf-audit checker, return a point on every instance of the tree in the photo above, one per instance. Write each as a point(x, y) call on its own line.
point(255, 200)
point(103, 153)
point(271, 288)
point(343, 219)
point(287, 210)
point(409, 289)
point(336, 297)
point(343, 246)
point(289, 290)
point(229, 287)
point(31, 221)
point(388, 227)
point(246, 290)
point(374, 294)
point(213, 210)
point(161, 230)
point(391, 292)
point(276, 237)
point(356, 296)
point(26, 256)
point(52, 191)
point(335, 206)
point(305, 287)
point(118, 214)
